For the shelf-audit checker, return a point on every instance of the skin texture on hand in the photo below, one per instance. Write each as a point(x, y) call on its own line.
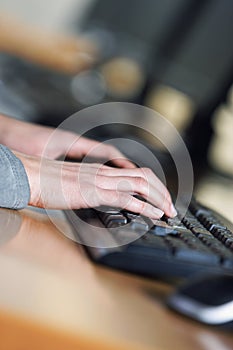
point(60, 185)
point(36, 140)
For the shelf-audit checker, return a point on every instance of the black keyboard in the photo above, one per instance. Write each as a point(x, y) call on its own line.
point(199, 242)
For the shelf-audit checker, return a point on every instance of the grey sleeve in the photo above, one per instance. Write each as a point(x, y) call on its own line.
point(14, 186)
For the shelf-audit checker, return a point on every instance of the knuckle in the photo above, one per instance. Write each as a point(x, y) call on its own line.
point(141, 206)
point(147, 171)
point(138, 206)
point(141, 183)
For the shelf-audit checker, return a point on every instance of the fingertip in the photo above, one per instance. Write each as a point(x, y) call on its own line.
point(173, 211)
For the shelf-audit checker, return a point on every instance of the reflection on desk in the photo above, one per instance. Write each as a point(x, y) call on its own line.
point(52, 297)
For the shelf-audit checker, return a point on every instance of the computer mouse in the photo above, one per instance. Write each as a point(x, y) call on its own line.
point(208, 299)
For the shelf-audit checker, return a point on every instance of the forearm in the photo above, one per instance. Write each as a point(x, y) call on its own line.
point(6, 124)
point(22, 136)
point(9, 128)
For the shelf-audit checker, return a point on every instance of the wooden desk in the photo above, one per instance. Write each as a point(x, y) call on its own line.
point(53, 297)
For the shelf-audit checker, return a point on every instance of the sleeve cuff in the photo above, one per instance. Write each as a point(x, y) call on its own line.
point(14, 185)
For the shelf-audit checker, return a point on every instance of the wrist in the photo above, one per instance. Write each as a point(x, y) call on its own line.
point(32, 168)
point(6, 124)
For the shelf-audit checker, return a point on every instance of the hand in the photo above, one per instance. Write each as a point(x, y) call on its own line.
point(61, 185)
point(32, 139)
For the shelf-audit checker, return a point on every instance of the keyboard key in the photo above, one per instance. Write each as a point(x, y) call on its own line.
point(200, 231)
point(207, 239)
point(124, 235)
point(191, 249)
point(229, 243)
point(228, 263)
point(191, 223)
point(221, 233)
point(175, 246)
point(114, 220)
point(196, 256)
point(138, 224)
point(152, 245)
point(111, 217)
point(198, 209)
point(161, 228)
point(173, 221)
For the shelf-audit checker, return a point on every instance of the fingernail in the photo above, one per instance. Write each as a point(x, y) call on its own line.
point(173, 210)
point(159, 213)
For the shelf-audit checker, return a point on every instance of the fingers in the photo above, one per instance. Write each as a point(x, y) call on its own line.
point(138, 185)
point(145, 178)
point(62, 185)
point(95, 149)
point(132, 181)
point(141, 181)
point(126, 201)
point(117, 158)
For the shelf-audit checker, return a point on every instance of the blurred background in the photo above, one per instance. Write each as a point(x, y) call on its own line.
point(174, 56)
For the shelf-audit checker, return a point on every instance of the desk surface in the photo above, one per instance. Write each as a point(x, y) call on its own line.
point(53, 297)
